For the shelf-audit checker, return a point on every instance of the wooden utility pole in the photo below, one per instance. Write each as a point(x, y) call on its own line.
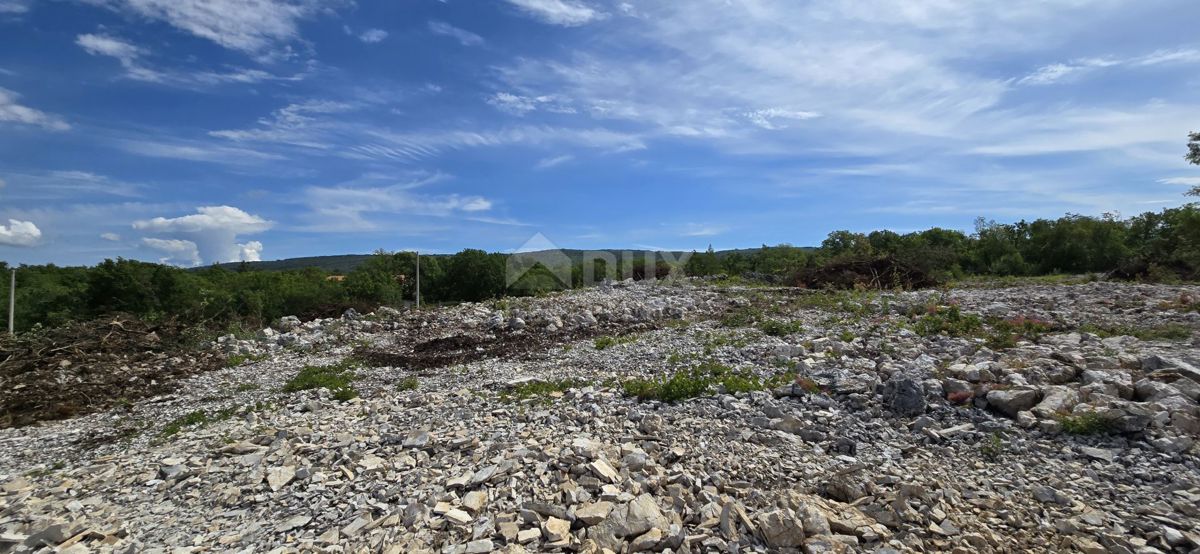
point(418, 279)
point(12, 300)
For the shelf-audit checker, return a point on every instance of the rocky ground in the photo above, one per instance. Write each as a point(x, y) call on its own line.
point(1062, 420)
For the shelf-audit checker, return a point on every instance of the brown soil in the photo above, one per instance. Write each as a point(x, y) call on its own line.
point(90, 366)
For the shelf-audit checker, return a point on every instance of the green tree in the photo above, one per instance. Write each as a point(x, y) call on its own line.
point(476, 275)
point(1193, 156)
point(703, 264)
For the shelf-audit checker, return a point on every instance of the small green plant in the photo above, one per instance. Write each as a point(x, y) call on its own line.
point(846, 336)
point(611, 341)
point(947, 320)
point(198, 418)
point(407, 384)
point(742, 316)
point(695, 381)
point(1086, 423)
point(777, 328)
point(1168, 331)
point(992, 448)
point(336, 378)
point(1006, 332)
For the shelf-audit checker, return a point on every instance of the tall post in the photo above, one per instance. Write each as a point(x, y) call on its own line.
point(418, 279)
point(12, 300)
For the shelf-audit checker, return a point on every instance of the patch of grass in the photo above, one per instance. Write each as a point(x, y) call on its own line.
point(777, 328)
point(540, 389)
point(198, 418)
point(1087, 423)
point(846, 336)
point(741, 316)
point(406, 384)
point(235, 360)
point(699, 380)
point(610, 341)
point(336, 378)
point(1006, 332)
point(246, 387)
point(949, 321)
point(1168, 331)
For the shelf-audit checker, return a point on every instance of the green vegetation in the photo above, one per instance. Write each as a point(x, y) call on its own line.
point(198, 418)
point(777, 328)
point(1152, 246)
point(992, 448)
point(1006, 332)
point(1165, 332)
point(700, 380)
point(336, 378)
point(949, 321)
point(741, 316)
point(610, 341)
point(407, 384)
point(1087, 423)
point(540, 389)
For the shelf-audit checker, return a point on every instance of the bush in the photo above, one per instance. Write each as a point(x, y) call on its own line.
point(335, 378)
point(407, 384)
point(776, 328)
point(697, 381)
point(949, 321)
point(1086, 423)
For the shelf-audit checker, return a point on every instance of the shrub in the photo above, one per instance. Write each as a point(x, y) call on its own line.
point(1006, 332)
point(949, 321)
point(335, 378)
point(1086, 423)
point(406, 384)
point(610, 341)
point(693, 382)
point(992, 448)
point(742, 316)
point(776, 328)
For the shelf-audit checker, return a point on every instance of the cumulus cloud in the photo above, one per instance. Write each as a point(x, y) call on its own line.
point(372, 36)
point(11, 111)
point(559, 12)
point(251, 251)
point(213, 230)
point(19, 233)
point(177, 251)
point(465, 37)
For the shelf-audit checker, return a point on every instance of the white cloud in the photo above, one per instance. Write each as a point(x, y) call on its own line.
point(68, 185)
point(567, 13)
point(1186, 181)
point(296, 124)
point(12, 112)
point(212, 229)
point(251, 252)
point(253, 27)
point(520, 105)
point(547, 163)
point(768, 118)
point(178, 252)
point(1062, 72)
point(19, 233)
point(111, 237)
point(14, 6)
point(372, 36)
point(130, 56)
point(465, 37)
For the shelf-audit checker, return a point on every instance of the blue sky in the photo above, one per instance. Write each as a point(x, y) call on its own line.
point(195, 131)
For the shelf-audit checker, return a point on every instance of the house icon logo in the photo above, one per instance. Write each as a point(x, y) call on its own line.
point(538, 259)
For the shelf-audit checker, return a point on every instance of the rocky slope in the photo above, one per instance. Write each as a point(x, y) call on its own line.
point(861, 422)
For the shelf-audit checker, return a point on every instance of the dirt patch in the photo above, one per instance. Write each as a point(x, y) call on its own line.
point(878, 273)
point(463, 349)
point(90, 366)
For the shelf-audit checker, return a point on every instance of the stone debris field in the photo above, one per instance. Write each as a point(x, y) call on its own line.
point(688, 416)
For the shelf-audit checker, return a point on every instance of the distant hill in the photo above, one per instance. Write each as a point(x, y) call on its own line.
point(345, 263)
